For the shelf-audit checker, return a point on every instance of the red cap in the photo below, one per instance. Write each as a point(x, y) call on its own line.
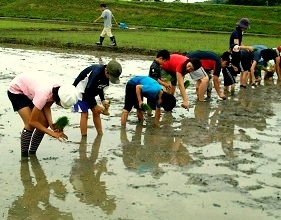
point(279, 48)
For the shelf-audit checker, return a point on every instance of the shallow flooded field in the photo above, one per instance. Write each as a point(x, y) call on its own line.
point(219, 160)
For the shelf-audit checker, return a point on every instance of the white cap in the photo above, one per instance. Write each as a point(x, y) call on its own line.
point(68, 95)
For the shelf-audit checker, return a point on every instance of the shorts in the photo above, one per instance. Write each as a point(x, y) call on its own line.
point(106, 31)
point(19, 101)
point(81, 106)
point(245, 65)
point(131, 99)
point(198, 74)
point(229, 76)
point(89, 98)
point(165, 74)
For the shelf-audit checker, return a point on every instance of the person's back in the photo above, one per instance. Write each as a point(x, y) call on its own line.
point(210, 61)
point(150, 87)
point(144, 86)
point(175, 64)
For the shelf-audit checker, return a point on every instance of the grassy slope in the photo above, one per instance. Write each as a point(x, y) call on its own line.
point(76, 30)
point(264, 20)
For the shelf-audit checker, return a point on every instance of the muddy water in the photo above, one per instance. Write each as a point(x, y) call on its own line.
point(219, 160)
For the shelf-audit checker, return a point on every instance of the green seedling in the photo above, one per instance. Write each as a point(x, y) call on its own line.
point(186, 83)
point(61, 123)
point(145, 107)
point(168, 78)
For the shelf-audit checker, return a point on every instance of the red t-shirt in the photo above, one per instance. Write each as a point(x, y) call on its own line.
point(176, 63)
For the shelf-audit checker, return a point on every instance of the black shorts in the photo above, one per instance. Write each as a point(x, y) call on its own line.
point(228, 76)
point(246, 64)
point(131, 99)
point(19, 101)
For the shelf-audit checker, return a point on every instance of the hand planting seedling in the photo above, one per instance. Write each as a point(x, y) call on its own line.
point(145, 107)
point(105, 111)
point(61, 123)
point(168, 78)
point(186, 83)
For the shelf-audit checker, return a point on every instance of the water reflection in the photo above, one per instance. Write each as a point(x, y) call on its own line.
point(86, 177)
point(197, 131)
point(151, 147)
point(35, 201)
point(218, 123)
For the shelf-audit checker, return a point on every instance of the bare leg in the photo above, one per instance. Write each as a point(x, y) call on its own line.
point(243, 78)
point(124, 117)
point(248, 77)
point(197, 88)
point(232, 87)
point(25, 114)
point(97, 121)
point(84, 123)
point(140, 115)
point(202, 87)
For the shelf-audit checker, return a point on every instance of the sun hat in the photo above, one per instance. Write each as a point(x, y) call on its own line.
point(114, 69)
point(68, 95)
point(244, 23)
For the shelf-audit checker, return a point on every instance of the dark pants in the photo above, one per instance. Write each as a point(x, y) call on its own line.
point(131, 99)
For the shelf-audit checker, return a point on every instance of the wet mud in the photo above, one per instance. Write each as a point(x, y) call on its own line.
point(219, 160)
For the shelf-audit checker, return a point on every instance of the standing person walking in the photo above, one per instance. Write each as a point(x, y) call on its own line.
point(107, 16)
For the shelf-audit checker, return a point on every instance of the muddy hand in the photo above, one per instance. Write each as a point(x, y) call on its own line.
point(222, 96)
point(64, 136)
point(60, 136)
point(185, 107)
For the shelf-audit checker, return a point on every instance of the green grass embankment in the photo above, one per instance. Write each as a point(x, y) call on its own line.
point(68, 24)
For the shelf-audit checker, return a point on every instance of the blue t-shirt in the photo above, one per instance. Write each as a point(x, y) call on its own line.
point(150, 87)
point(257, 53)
